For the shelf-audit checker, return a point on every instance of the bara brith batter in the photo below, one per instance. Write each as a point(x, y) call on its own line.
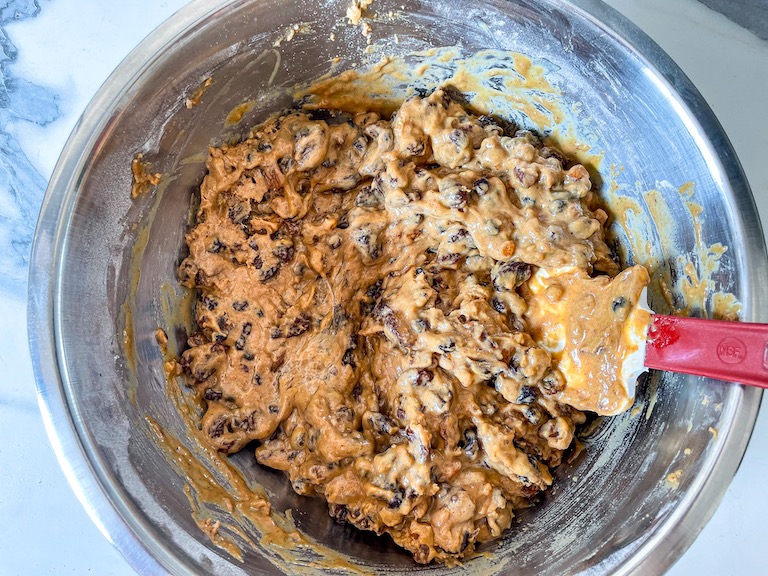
point(368, 323)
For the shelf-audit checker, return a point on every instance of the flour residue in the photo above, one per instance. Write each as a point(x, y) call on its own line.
point(290, 33)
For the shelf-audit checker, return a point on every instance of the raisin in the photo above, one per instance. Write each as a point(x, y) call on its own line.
point(345, 414)
point(510, 274)
point(387, 316)
point(526, 179)
point(422, 555)
point(236, 214)
point(458, 235)
point(217, 428)
point(349, 359)
point(532, 415)
point(201, 374)
point(210, 303)
point(285, 163)
point(397, 499)
point(448, 346)
point(367, 242)
point(618, 303)
point(424, 377)
point(370, 197)
point(465, 541)
point(216, 246)
point(374, 290)
point(269, 273)
point(247, 423)
point(240, 305)
point(283, 252)
point(240, 344)
point(299, 325)
point(438, 282)
point(468, 441)
point(553, 382)
point(557, 206)
point(549, 152)
point(458, 137)
point(415, 148)
point(338, 512)
point(334, 241)
point(212, 394)
point(381, 423)
point(366, 523)
point(372, 295)
point(454, 195)
point(450, 259)
point(527, 395)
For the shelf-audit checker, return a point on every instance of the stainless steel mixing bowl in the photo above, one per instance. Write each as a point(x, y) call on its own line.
point(99, 372)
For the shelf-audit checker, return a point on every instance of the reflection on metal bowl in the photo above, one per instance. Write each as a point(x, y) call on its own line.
point(103, 275)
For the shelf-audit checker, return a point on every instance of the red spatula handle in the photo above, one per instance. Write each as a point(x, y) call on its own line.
point(731, 351)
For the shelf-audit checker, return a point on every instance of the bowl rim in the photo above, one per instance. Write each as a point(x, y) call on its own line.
point(72, 451)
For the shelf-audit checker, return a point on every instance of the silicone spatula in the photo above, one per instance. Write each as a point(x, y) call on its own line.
point(602, 335)
point(732, 351)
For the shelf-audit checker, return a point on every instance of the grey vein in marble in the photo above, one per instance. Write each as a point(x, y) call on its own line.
point(749, 14)
point(21, 185)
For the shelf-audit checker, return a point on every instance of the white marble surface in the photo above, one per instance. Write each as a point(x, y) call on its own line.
point(53, 61)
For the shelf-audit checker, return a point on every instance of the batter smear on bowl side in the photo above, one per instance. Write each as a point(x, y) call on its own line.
point(372, 298)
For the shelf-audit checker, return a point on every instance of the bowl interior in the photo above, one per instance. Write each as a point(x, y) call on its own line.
point(115, 276)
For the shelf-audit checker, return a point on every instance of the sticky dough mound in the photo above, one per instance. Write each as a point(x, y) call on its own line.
point(362, 313)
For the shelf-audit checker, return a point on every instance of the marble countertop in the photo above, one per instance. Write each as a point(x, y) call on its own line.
point(54, 54)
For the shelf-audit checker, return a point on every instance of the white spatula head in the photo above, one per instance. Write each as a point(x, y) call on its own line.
point(595, 330)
